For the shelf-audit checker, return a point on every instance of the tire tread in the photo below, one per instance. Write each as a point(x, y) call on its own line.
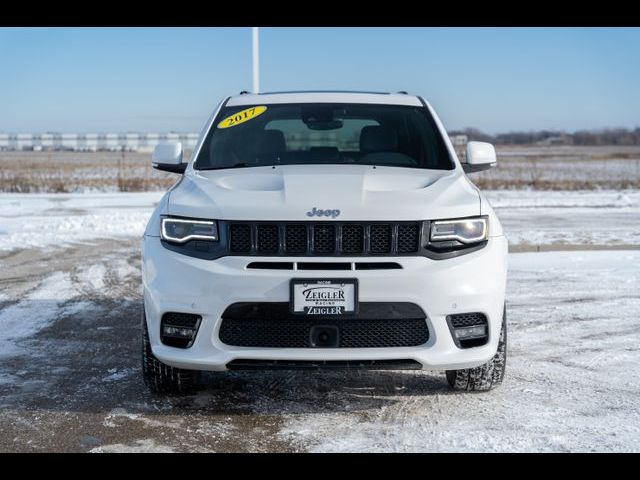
point(484, 377)
point(159, 377)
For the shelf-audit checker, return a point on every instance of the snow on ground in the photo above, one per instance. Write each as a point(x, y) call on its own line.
point(587, 218)
point(37, 310)
point(577, 218)
point(141, 446)
point(40, 302)
point(116, 375)
point(572, 380)
point(512, 199)
point(42, 220)
point(95, 275)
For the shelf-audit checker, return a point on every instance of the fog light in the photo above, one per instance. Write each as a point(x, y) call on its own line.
point(179, 329)
point(181, 332)
point(475, 331)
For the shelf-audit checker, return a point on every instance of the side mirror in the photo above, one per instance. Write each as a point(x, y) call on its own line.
point(480, 156)
point(168, 157)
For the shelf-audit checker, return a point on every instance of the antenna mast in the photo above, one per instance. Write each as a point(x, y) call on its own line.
point(256, 60)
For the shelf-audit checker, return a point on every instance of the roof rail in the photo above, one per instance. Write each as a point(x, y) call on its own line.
point(324, 91)
point(403, 92)
point(244, 92)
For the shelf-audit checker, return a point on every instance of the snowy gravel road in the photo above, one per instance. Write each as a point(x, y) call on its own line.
point(70, 376)
point(572, 381)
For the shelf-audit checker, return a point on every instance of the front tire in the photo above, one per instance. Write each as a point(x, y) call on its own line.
point(487, 376)
point(159, 377)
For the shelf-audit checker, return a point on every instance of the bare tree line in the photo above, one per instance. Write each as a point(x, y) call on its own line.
point(609, 136)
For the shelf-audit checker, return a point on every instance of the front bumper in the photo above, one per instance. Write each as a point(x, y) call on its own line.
point(474, 282)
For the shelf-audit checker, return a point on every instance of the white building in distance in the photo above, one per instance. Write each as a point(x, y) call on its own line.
point(111, 142)
point(93, 142)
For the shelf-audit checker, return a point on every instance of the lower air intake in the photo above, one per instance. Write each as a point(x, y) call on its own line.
point(272, 325)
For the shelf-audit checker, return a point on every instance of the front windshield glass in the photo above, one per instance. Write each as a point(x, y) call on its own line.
point(323, 133)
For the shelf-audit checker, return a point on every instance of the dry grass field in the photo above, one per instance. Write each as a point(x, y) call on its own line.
point(70, 172)
point(563, 168)
point(520, 167)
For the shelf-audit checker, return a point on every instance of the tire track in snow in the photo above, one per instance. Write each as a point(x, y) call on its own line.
point(115, 276)
point(51, 299)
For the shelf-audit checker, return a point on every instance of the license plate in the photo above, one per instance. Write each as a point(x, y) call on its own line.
point(324, 296)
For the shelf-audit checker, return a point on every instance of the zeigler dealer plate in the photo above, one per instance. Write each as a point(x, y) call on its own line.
point(324, 296)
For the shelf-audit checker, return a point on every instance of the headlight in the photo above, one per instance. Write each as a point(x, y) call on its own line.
point(465, 230)
point(181, 230)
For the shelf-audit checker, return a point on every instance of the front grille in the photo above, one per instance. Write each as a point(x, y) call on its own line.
point(324, 238)
point(380, 238)
point(271, 325)
point(240, 235)
point(296, 239)
point(268, 238)
point(408, 238)
point(353, 239)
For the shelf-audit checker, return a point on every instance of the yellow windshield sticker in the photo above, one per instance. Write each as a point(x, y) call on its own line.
point(242, 116)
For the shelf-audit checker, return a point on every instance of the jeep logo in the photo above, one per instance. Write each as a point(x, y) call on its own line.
point(316, 212)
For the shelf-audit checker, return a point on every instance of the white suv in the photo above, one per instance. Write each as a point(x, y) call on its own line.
point(324, 230)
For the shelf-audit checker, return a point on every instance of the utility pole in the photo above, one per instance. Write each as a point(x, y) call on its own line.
point(256, 60)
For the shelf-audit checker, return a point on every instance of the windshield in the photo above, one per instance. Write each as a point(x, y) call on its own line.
point(323, 133)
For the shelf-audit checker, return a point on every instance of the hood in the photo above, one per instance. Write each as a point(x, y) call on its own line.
point(359, 192)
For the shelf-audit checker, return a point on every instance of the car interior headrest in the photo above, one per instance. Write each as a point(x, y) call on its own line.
point(266, 142)
point(377, 138)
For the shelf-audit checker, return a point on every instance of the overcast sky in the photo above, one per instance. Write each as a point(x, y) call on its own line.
point(161, 79)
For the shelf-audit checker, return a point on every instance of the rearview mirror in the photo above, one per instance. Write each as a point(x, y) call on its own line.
point(168, 157)
point(480, 156)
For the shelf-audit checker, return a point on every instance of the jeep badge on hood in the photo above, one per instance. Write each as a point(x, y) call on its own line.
point(316, 212)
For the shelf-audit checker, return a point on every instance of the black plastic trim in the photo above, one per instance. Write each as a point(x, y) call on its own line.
point(253, 364)
point(377, 266)
point(171, 167)
point(270, 266)
point(476, 168)
point(462, 250)
point(324, 266)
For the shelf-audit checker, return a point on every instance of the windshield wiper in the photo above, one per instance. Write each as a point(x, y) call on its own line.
point(237, 165)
